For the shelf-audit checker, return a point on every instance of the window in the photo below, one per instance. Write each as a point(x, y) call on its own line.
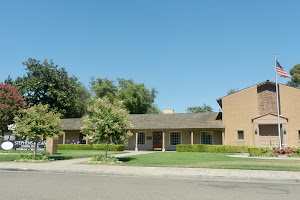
point(241, 135)
point(175, 138)
point(206, 138)
point(299, 134)
point(142, 138)
point(80, 139)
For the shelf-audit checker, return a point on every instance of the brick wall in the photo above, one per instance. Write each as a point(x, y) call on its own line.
point(267, 99)
point(290, 108)
point(238, 110)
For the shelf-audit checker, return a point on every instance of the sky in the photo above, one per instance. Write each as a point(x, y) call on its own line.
point(191, 52)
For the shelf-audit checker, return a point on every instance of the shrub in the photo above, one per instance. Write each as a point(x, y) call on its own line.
point(211, 148)
point(111, 147)
point(41, 157)
point(255, 151)
point(75, 147)
point(282, 151)
point(104, 160)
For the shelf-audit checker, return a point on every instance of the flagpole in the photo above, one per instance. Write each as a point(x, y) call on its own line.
point(277, 98)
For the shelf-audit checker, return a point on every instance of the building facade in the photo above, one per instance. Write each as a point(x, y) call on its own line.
point(249, 117)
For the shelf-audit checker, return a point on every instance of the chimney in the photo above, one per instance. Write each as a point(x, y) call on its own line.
point(168, 111)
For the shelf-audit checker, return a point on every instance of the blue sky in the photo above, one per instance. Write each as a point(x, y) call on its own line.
point(192, 52)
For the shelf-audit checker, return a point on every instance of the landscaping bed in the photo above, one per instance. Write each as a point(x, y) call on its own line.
point(61, 154)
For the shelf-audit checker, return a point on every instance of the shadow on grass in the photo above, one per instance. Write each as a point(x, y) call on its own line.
point(125, 159)
point(60, 157)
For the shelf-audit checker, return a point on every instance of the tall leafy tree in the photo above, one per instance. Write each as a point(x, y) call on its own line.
point(295, 72)
point(37, 123)
point(103, 87)
point(107, 121)
point(135, 97)
point(45, 83)
point(10, 104)
point(200, 109)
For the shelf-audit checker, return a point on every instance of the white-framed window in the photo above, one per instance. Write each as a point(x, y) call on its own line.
point(141, 138)
point(206, 137)
point(241, 135)
point(175, 138)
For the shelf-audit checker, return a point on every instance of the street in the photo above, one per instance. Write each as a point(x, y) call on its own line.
point(33, 185)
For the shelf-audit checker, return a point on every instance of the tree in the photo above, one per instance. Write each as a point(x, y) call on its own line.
point(200, 109)
point(103, 87)
point(45, 83)
point(231, 91)
point(9, 81)
point(10, 104)
point(107, 121)
point(37, 123)
point(295, 73)
point(136, 97)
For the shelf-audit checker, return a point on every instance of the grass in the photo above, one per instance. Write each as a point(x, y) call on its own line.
point(8, 157)
point(70, 154)
point(208, 160)
point(65, 154)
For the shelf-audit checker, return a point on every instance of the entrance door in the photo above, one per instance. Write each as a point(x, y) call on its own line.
point(268, 135)
point(157, 140)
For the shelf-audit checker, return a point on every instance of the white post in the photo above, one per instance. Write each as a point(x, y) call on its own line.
point(136, 141)
point(192, 137)
point(64, 138)
point(223, 137)
point(163, 144)
point(277, 98)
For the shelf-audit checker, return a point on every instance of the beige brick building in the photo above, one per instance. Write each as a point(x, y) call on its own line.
point(249, 117)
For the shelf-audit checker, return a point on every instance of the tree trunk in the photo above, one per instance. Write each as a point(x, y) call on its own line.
point(106, 149)
point(35, 148)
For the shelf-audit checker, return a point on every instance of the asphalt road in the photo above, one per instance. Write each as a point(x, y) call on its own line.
point(40, 186)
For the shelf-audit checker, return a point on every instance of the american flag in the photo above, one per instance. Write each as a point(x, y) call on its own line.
point(280, 71)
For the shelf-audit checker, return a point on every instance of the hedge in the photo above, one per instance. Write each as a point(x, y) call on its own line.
point(211, 148)
point(254, 151)
point(111, 147)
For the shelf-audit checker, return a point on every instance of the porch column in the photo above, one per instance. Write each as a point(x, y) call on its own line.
point(136, 141)
point(64, 138)
point(192, 137)
point(223, 137)
point(163, 144)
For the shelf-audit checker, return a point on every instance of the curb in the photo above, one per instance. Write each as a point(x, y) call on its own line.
point(162, 175)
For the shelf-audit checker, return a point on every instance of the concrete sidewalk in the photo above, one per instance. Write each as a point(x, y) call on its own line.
point(77, 166)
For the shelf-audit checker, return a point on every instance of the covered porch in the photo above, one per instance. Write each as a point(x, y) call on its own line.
point(266, 130)
point(167, 139)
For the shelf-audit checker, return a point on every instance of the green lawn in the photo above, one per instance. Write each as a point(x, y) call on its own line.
point(65, 154)
point(69, 154)
point(208, 160)
point(7, 157)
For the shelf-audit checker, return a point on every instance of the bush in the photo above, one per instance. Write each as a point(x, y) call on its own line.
point(75, 147)
point(41, 157)
point(104, 160)
point(255, 151)
point(111, 147)
point(211, 148)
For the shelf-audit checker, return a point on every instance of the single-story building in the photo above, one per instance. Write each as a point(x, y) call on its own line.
point(248, 117)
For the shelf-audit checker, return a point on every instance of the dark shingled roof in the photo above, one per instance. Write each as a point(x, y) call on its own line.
point(71, 124)
point(176, 121)
point(162, 121)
